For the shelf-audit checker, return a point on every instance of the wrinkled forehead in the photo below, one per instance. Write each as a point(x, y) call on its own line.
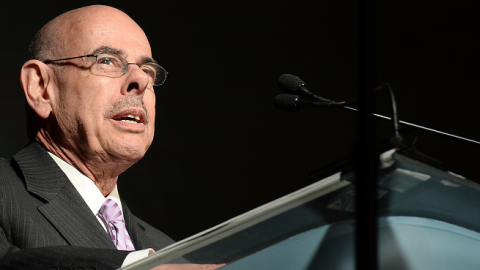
point(86, 31)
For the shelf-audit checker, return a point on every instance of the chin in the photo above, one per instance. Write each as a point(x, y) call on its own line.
point(131, 152)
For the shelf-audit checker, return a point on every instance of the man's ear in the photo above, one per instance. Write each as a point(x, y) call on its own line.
point(35, 80)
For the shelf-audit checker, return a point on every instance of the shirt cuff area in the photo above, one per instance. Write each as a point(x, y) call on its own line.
point(136, 256)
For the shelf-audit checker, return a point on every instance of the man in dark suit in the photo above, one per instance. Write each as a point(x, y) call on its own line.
point(91, 115)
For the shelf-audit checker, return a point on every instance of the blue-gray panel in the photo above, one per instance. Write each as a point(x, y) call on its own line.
point(404, 243)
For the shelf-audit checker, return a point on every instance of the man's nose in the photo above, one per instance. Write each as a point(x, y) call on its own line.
point(137, 80)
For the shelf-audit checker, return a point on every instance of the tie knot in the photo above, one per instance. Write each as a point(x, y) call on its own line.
point(110, 212)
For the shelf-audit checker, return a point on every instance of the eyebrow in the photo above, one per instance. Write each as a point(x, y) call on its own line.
point(107, 49)
point(146, 59)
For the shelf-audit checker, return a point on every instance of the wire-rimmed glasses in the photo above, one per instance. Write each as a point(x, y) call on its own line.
point(115, 66)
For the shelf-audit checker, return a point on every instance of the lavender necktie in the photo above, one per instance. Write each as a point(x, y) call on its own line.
point(112, 216)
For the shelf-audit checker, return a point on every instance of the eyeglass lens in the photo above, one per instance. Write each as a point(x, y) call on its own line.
point(116, 65)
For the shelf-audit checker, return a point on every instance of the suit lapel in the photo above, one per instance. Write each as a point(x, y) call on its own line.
point(65, 209)
point(136, 232)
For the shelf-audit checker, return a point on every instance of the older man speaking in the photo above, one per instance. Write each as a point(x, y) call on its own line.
point(91, 115)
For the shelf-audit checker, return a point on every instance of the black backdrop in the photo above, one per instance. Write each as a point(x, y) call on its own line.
point(220, 147)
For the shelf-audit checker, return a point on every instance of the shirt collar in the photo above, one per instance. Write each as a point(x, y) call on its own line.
point(85, 186)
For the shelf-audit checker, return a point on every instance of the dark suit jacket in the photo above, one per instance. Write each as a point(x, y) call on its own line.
point(46, 224)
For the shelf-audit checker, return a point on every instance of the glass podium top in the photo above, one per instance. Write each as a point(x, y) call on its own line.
point(315, 225)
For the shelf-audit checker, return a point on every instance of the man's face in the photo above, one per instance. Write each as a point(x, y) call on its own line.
point(92, 110)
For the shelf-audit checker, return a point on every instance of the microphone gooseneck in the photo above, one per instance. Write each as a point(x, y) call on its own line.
point(393, 103)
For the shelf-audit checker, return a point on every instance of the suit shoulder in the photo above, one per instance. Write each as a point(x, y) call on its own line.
point(154, 233)
point(4, 163)
point(159, 237)
point(8, 170)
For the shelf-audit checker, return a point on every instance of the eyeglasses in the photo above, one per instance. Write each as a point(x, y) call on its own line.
point(115, 66)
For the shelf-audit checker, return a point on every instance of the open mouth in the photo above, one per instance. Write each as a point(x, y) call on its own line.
point(130, 118)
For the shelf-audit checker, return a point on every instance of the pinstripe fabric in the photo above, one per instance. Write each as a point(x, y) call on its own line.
point(42, 216)
point(65, 208)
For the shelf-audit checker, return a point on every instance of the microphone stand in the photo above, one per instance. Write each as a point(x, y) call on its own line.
point(431, 130)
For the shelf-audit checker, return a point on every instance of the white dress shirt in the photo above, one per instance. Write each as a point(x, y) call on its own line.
point(95, 199)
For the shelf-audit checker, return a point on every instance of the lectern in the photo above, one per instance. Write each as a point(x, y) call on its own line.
point(427, 219)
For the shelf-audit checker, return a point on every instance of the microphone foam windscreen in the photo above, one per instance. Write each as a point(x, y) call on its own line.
point(286, 102)
point(289, 83)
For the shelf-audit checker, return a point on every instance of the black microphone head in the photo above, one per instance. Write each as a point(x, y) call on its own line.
point(290, 83)
point(286, 102)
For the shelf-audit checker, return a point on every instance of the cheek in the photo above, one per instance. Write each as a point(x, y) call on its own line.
point(149, 100)
point(81, 96)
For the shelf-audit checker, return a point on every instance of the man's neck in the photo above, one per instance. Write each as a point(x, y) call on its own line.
point(103, 174)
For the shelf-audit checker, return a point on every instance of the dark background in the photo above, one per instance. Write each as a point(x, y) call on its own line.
point(221, 148)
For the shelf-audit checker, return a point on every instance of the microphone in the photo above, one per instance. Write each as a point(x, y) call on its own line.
point(292, 103)
point(294, 85)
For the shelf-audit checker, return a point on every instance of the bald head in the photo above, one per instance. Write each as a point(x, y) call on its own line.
point(63, 33)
